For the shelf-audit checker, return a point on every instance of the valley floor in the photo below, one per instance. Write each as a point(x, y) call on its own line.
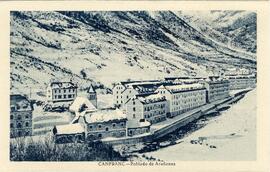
point(230, 136)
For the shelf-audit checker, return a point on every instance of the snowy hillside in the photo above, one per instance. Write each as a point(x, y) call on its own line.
point(106, 47)
point(236, 29)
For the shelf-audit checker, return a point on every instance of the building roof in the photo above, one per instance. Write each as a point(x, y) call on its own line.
point(91, 89)
point(150, 98)
point(20, 102)
point(184, 87)
point(81, 102)
point(138, 82)
point(65, 84)
point(105, 116)
point(70, 128)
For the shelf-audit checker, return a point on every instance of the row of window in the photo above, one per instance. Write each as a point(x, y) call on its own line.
point(19, 125)
point(63, 90)
point(101, 135)
point(154, 114)
point(155, 106)
point(184, 101)
point(14, 108)
point(100, 126)
point(192, 105)
point(19, 117)
point(184, 95)
point(64, 96)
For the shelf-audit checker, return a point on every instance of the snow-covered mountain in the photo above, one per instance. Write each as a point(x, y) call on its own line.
point(236, 29)
point(106, 47)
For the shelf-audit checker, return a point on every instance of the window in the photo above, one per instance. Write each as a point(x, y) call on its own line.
point(122, 124)
point(27, 124)
point(107, 129)
point(134, 109)
point(99, 126)
point(11, 125)
point(64, 91)
point(90, 127)
point(113, 125)
point(13, 109)
point(19, 117)
point(100, 135)
point(11, 116)
point(19, 125)
point(134, 116)
point(133, 102)
point(69, 96)
point(55, 97)
point(59, 96)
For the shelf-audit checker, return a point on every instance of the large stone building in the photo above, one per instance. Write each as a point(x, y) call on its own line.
point(217, 89)
point(90, 124)
point(183, 97)
point(123, 91)
point(151, 107)
point(20, 116)
point(61, 91)
point(105, 123)
point(241, 81)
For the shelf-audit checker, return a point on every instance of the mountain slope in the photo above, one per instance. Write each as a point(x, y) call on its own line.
point(106, 47)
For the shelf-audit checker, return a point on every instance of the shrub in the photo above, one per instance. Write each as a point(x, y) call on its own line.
point(44, 149)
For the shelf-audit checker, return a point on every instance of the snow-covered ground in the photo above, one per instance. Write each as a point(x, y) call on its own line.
point(230, 136)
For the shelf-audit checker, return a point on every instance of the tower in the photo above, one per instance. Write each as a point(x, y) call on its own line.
point(92, 95)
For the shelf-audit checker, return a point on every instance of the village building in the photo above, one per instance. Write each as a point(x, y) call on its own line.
point(59, 91)
point(91, 124)
point(20, 116)
point(123, 91)
point(241, 82)
point(217, 89)
point(183, 97)
point(69, 133)
point(105, 123)
point(151, 107)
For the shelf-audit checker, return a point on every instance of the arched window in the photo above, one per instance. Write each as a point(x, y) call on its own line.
point(27, 124)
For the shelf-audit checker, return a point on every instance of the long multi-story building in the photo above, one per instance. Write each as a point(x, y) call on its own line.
point(20, 116)
point(61, 91)
point(241, 82)
point(217, 89)
point(151, 107)
point(183, 97)
point(123, 91)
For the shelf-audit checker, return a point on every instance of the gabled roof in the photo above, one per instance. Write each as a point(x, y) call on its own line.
point(79, 102)
point(91, 89)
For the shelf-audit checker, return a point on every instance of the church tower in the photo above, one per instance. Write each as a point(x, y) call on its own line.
point(92, 95)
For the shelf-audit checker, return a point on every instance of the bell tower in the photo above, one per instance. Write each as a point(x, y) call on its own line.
point(92, 95)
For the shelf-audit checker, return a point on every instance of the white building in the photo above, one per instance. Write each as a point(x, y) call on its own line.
point(217, 89)
point(184, 97)
point(61, 91)
point(151, 107)
point(241, 81)
point(123, 91)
